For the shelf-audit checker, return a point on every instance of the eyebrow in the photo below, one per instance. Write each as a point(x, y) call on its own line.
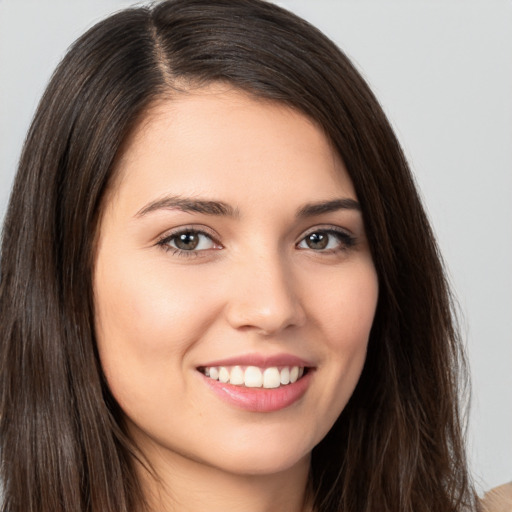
point(189, 205)
point(333, 205)
point(220, 208)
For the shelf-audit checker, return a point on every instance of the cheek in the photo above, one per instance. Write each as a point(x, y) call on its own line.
point(347, 312)
point(348, 307)
point(146, 322)
point(143, 308)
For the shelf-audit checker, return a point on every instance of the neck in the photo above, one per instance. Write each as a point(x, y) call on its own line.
point(177, 483)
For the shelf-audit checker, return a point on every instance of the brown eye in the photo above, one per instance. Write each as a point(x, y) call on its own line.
point(317, 241)
point(187, 241)
point(327, 240)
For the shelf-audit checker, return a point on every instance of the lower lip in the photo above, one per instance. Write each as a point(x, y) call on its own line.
point(260, 399)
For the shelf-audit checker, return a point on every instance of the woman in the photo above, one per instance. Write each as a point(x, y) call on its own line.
point(219, 287)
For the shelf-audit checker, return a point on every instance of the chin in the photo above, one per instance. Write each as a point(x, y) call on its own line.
point(261, 464)
point(262, 455)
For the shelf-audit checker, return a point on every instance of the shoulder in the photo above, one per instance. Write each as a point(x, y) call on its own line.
point(498, 499)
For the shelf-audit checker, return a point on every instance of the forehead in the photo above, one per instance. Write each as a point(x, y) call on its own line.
point(222, 141)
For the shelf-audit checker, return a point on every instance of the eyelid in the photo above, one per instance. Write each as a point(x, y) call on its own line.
point(196, 228)
point(326, 228)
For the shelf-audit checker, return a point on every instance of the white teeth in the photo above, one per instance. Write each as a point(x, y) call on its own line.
point(237, 376)
point(223, 374)
point(294, 374)
point(271, 378)
point(254, 377)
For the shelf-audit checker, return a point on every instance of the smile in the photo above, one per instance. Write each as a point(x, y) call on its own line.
point(253, 376)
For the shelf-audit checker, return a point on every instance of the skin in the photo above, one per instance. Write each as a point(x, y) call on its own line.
point(255, 286)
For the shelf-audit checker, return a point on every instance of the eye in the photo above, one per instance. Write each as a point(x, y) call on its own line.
point(188, 240)
point(327, 240)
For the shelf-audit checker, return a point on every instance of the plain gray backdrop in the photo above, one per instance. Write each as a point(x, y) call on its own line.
point(442, 70)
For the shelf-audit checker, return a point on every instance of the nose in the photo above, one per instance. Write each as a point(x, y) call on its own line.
point(264, 296)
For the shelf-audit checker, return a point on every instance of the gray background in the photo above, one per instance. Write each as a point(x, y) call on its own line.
point(443, 72)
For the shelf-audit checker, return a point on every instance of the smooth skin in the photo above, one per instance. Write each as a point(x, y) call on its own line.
point(259, 272)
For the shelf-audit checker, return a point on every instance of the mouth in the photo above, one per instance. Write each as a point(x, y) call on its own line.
point(271, 377)
point(259, 382)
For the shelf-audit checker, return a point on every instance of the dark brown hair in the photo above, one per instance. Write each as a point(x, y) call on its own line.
point(396, 447)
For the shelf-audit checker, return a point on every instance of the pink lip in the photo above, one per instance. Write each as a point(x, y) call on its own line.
point(261, 361)
point(260, 399)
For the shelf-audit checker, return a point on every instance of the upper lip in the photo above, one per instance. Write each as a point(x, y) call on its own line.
point(260, 360)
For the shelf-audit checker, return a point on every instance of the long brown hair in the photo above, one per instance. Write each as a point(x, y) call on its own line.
point(396, 447)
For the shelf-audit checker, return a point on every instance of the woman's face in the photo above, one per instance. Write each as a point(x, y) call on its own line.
point(234, 287)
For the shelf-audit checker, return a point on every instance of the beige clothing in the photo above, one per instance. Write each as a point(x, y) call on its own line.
point(498, 499)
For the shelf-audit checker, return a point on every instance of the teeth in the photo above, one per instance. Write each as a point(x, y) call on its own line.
point(237, 376)
point(223, 374)
point(254, 377)
point(271, 378)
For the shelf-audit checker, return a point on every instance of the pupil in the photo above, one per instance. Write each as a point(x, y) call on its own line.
point(317, 241)
point(187, 241)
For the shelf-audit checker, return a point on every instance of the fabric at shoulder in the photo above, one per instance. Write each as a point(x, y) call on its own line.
point(498, 499)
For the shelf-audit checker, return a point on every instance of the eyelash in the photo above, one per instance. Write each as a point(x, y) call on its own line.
point(346, 241)
point(176, 251)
